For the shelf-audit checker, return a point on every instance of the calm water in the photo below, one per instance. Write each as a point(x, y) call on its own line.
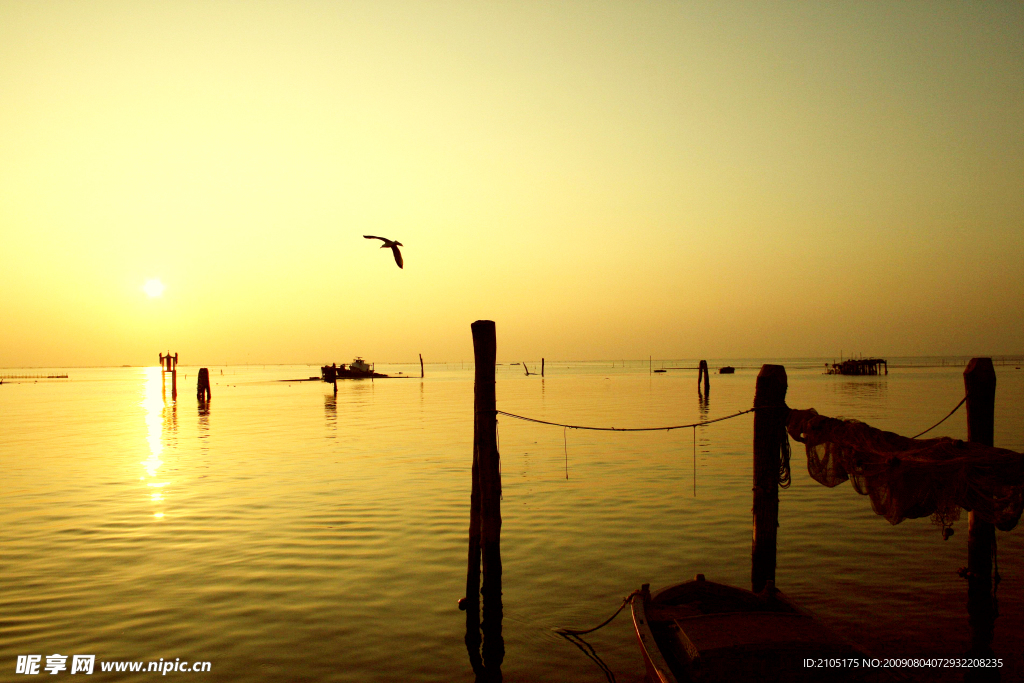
point(286, 534)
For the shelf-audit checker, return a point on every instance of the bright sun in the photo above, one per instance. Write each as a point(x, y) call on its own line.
point(153, 287)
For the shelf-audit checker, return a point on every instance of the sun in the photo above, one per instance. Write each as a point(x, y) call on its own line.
point(153, 288)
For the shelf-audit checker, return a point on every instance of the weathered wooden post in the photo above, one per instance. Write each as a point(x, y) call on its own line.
point(769, 428)
point(541, 367)
point(486, 445)
point(485, 508)
point(980, 386)
point(702, 373)
point(203, 393)
point(421, 366)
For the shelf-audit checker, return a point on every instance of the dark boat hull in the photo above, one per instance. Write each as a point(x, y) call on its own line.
point(705, 632)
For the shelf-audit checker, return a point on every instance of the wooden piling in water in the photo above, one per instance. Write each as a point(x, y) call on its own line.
point(486, 450)
point(203, 393)
point(421, 366)
point(702, 374)
point(541, 367)
point(485, 511)
point(769, 427)
point(980, 386)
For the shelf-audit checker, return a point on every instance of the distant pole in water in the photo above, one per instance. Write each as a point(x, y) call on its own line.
point(421, 366)
point(702, 374)
point(769, 429)
point(980, 385)
point(203, 393)
point(541, 367)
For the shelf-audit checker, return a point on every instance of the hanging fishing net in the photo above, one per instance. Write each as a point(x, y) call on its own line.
point(910, 478)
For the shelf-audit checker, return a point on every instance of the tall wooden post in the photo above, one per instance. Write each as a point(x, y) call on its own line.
point(980, 385)
point(702, 374)
point(541, 367)
point(421, 366)
point(769, 427)
point(486, 447)
point(485, 504)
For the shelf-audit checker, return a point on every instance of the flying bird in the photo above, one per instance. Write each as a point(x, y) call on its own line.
point(389, 243)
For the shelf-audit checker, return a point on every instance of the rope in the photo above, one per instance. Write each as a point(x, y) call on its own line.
point(588, 649)
point(574, 632)
point(625, 429)
point(694, 462)
point(962, 401)
point(573, 636)
point(565, 445)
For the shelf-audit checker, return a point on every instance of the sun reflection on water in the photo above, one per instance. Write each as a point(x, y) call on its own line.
point(161, 423)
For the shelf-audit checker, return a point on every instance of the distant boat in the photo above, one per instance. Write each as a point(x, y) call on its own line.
point(661, 370)
point(357, 369)
point(726, 370)
point(701, 631)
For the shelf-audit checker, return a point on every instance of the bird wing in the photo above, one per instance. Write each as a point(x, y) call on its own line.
point(374, 237)
point(398, 256)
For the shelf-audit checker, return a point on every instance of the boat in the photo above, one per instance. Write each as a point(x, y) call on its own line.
point(703, 632)
point(726, 370)
point(357, 369)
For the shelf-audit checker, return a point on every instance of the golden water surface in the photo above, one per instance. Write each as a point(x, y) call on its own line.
point(283, 533)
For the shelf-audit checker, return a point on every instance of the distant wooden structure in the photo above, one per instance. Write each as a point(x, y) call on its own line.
point(169, 363)
point(859, 366)
point(702, 376)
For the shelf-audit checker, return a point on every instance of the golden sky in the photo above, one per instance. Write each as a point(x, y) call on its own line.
point(604, 180)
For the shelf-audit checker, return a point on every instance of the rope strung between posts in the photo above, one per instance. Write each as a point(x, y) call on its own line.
point(625, 429)
point(784, 470)
point(962, 401)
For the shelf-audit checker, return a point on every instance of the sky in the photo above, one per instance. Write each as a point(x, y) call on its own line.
point(601, 179)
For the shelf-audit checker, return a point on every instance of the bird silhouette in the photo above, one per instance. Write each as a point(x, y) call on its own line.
point(389, 243)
